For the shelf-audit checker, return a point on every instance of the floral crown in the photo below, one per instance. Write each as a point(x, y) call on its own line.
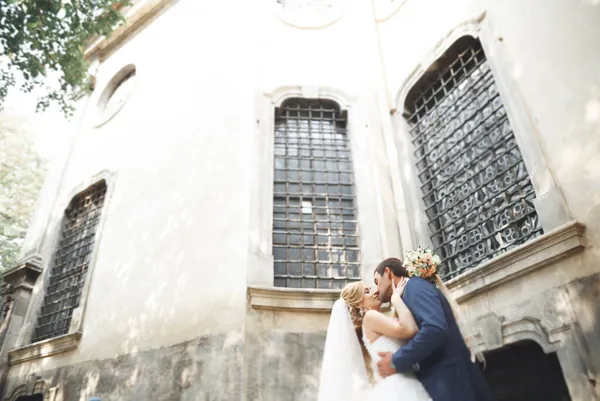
point(421, 262)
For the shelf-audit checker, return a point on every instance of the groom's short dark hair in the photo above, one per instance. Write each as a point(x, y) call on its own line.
point(395, 266)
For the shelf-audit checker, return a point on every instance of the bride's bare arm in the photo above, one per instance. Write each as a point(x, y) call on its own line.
point(404, 327)
point(405, 316)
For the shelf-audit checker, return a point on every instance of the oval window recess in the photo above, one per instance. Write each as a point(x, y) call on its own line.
point(116, 94)
point(309, 14)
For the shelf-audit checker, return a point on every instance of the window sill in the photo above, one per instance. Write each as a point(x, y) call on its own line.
point(43, 349)
point(294, 299)
point(542, 251)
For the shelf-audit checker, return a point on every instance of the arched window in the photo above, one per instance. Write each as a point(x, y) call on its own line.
point(70, 263)
point(476, 190)
point(315, 233)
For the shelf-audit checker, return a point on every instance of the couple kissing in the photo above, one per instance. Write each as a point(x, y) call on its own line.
point(419, 354)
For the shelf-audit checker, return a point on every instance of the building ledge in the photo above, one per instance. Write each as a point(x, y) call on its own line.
point(24, 275)
point(43, 349)
point(296, 299)
point(535, 254)
point(137, 16)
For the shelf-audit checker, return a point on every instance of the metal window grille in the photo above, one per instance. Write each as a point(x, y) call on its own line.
point(476, 190)
point(315, 232)
point(70, 263)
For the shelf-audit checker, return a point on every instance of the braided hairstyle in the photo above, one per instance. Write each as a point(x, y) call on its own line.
point(352, 295)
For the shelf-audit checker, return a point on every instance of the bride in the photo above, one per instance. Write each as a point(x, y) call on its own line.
point(357, 333)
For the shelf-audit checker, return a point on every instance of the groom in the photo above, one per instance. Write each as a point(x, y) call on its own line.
point(438, 348)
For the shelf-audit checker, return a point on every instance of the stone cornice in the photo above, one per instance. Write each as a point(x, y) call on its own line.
point(535, 254)
point(24, 275)
point(42, 349)
point(136, 17)
point(298, 299)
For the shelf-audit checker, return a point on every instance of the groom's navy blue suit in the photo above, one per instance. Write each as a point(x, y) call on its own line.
point(445, 368)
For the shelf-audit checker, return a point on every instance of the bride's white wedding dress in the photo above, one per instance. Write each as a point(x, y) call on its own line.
point(343, 374)
point(401, 386)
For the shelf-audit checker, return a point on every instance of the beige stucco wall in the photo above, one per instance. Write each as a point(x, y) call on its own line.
point(171, 261)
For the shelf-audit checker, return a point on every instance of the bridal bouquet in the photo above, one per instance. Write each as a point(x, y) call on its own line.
point(421, 262)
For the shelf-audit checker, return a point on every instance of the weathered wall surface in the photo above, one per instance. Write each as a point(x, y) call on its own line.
point(171, 259)
point(283, 352)
point(207, 368)
point(283, 366)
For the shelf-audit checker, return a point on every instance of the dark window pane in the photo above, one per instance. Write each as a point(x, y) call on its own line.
point(353, 271)
point(295, 269)
point(294, 239)
point(351, 241)
point(309, 269)
point(323, 270)
point(323, 255)
point(309, 283)
point(294, 254)
point(294, 282)
point(279, 253)
point(308, 254)
point(279, 268)
point(339, 284)
point(321, 283)
point(279, 239)
point(352, 255)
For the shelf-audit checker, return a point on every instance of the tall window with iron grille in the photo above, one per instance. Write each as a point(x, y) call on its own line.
point(476, 191)
point(315, 229)
point(70, 263)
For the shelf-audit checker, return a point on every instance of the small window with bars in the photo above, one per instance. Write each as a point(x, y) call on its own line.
point(70, 263)
point(315, 228)
point(477, 193)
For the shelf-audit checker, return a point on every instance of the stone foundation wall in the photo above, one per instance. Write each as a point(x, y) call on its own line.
point(208, 368)
point(283, 366)
point(274, 360)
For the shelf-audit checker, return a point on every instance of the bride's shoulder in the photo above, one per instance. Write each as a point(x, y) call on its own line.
point(372, 315)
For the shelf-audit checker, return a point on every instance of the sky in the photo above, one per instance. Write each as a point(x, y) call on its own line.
point(49, 129)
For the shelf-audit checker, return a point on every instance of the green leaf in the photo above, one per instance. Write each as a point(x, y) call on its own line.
point(40, 41)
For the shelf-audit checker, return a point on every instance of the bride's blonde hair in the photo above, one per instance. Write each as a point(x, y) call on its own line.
point(352, 295)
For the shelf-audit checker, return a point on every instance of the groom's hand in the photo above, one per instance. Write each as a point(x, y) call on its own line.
point(385, 366)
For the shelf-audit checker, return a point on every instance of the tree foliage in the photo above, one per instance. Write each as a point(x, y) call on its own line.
point(41, 38)
point(21, 177)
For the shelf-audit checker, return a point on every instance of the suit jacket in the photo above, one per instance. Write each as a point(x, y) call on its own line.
point(443, 359)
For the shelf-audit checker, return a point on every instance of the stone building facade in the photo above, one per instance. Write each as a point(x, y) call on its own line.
point(238, 162)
